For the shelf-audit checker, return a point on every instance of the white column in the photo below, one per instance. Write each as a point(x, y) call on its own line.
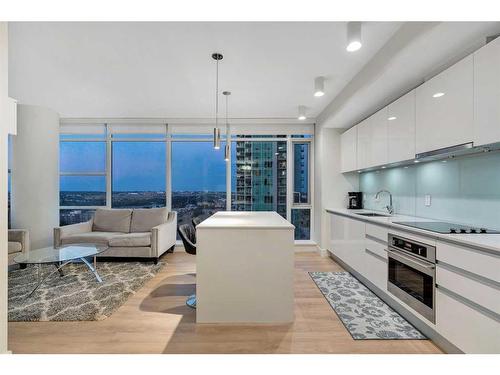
point(35, 174)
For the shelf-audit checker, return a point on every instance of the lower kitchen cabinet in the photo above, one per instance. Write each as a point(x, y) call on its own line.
point(348, 240)
point(376, 269)
point(469, 329)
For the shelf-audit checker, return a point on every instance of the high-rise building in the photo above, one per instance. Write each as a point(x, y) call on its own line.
point(260, 176)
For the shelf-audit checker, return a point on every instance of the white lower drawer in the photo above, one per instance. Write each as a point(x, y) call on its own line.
point(475, 291)
point(465, 327)
point(376, 269)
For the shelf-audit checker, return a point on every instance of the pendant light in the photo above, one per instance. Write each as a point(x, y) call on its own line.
point(227, 149)
point(217, 57)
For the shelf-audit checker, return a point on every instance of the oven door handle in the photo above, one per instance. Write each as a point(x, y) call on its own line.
point(427, 268)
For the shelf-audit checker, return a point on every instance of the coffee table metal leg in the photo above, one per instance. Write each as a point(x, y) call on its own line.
point(42, 279)
point(92, 268)
point(59, 268)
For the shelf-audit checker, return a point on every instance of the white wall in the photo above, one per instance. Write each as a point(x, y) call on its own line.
point(330, 185)
point(3, 186)
point(35, 173)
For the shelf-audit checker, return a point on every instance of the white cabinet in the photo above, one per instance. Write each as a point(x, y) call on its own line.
point(379, 145)
point(464, 326)
point(372, 140)
point(348, 147)
point(363, 144)
point(348, 241)
point(444, 108)
point(487, 94)
point(401, 128)
point(375, 266)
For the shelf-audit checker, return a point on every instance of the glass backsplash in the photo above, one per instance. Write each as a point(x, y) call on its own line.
point(464, 190)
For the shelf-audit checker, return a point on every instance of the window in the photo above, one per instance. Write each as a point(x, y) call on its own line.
point(301, 218)
point(301, 205)
point(82, 181)
point(301, 173)
point(259, 176)
point(198, 180)
point(138, 174)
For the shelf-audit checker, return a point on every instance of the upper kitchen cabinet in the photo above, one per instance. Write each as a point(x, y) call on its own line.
point(444, 108)
point(363, 143)
point(348, 147)
point(487, 94)
point(378, 140)
point(401, 128)
point(372, 140)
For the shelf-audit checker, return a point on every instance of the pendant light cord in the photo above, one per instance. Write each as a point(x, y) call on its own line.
point(217, 94)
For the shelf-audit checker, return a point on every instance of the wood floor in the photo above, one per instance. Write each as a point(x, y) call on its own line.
point(156, 320)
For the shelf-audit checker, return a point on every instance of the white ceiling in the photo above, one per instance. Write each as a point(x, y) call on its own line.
point(165, 69)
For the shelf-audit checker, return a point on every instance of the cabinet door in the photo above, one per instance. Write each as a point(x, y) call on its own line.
point(487, 94)
point(363, 144)
point(348, 241)
point(401, 128)
point(378, 144)
point(348, 146)
point(444, 108)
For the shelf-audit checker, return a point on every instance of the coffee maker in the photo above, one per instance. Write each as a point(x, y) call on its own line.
point(355, 200)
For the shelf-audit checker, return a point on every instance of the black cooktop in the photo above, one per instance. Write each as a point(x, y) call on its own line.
point(444, 227)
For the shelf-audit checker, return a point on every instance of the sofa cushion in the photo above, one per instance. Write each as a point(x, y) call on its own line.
point(144, 219)
point(14, 247)
point(131, 240)
point(101, 238)
point(112, 220)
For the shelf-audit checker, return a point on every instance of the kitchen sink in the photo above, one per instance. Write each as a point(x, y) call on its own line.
point(372, 214)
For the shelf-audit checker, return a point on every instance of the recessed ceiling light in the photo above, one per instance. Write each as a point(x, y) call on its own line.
point(353, 36)
point(319, 86)
point(391, 118)
point(359, 171)
point(416, 161)
point(383, 167)
point(302, 113)
point(438, 94)
point(406, 167)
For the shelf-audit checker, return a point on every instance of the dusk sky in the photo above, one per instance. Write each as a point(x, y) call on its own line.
point(140, 166)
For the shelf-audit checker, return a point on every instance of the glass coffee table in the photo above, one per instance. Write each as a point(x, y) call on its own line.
point(60, 257)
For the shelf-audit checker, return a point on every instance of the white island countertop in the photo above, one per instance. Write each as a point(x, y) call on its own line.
point(489, 242)
point(245, 219)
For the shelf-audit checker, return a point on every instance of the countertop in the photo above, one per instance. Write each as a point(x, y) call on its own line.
point(245, 219)
point(489, 242)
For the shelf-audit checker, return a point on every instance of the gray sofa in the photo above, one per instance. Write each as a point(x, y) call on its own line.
point(18, 242)
point(137, 233)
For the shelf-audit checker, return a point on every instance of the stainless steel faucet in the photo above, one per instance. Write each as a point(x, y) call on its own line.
point(389, 208)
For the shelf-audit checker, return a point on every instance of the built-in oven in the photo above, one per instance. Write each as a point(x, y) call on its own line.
point(412, 273)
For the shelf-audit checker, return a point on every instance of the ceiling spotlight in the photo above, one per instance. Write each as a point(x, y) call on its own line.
point(302, 113)
point(384, 167)
point(319, 86)
point(392, 118)
point(353, 36)
point(416, 161)
point(438, 95)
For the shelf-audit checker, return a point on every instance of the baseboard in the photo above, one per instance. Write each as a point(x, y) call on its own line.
point(436, 338)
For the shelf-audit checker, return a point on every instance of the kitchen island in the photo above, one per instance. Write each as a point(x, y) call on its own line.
point(244, 266)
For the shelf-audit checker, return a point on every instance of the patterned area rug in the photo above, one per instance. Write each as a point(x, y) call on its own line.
point(363, 314)
point(77, 295)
